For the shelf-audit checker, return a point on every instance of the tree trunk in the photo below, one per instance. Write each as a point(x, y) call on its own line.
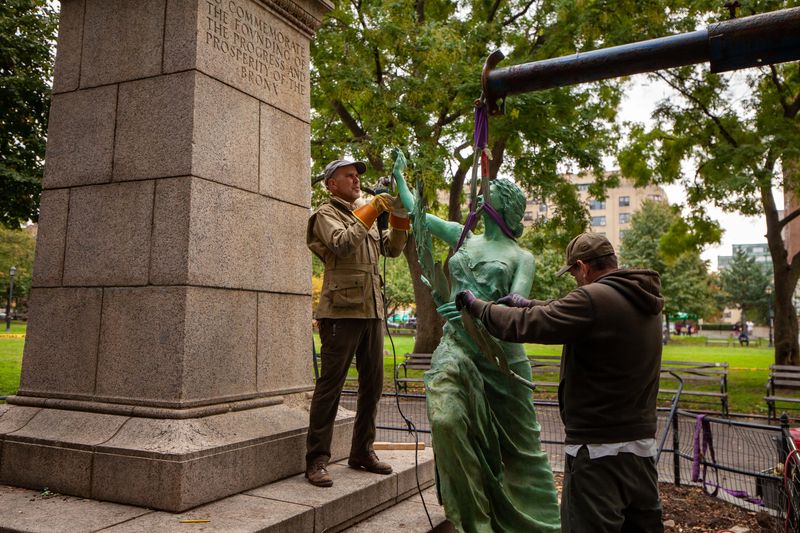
point(785, 275)
point(787, 351)
point(429, 323)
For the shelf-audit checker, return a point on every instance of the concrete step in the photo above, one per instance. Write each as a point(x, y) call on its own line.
point(408, 516)
point(290, 504)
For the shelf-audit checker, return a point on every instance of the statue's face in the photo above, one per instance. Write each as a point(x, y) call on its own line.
point(494, 193)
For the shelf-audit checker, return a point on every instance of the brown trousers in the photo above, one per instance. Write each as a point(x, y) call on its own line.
point(341, 339)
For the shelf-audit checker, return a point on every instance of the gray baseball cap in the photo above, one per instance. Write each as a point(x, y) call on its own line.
point(361, 167)
point(585, 247)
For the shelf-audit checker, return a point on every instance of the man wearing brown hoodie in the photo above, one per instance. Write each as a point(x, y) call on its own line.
point(610, 327)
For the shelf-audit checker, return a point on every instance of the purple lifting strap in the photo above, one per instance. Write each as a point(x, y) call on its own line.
point(472, 219)
point(481, 135)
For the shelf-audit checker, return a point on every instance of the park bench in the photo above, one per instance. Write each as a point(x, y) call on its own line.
point(720, 341)
point(782, 379)
point(692, 373)
point(350, 382)
point(546, 370)
point(696, 374)
point(413, 361)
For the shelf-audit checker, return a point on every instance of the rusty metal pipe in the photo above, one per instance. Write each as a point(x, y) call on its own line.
point(734, 44)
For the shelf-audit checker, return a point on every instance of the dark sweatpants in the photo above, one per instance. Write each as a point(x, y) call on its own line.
point(616, 493)
point(341, 339)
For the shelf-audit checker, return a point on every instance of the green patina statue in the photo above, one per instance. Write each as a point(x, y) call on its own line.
point(492, 472)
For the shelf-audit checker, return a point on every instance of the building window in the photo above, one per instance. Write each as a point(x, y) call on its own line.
point(598, 221)
point(597, 204)
point(624, 218)
point(582, 186)
point(624, 201)
point(528, 216)
point(543, 208)
point(655, 197)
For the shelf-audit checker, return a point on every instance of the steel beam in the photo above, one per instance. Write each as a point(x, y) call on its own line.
point(730, 45)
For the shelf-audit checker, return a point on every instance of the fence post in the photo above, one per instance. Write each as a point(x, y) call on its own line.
point(676, 451)
point(785, 447)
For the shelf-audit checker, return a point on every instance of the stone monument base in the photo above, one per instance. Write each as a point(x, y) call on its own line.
point(170, 464)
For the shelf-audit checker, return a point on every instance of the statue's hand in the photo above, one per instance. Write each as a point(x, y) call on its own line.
point(400, 163)
point(449, 312)
point(514, 300)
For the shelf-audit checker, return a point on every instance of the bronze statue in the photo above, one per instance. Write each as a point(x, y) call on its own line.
point(492, 473)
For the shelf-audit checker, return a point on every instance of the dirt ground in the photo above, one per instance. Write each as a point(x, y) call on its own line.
point(689, 509)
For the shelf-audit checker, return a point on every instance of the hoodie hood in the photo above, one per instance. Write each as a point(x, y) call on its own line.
point(641, 287)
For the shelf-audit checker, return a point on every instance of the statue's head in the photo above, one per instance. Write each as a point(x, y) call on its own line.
point(509, 200)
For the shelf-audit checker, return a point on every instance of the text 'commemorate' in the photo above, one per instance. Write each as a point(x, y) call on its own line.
point(265, 55)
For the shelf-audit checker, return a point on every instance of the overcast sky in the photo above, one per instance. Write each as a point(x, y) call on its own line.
point(637, 106)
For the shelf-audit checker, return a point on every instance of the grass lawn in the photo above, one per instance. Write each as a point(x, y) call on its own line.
point(11, 357)
point(749, 367)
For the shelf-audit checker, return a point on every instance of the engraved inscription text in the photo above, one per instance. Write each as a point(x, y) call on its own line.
point(265, 55)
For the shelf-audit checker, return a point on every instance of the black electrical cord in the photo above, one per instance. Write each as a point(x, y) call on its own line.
point(409, 424)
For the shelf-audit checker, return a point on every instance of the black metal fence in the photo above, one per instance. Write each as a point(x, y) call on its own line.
point(751, 465)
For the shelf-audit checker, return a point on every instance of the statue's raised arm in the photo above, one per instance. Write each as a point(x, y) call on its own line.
point(448, 231)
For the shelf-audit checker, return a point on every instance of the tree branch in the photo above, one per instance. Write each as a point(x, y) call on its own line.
point(347, 119)
point(707, 112)
point(378, 67)
point(780, 87)
point(510, 20)
point(493, 10)
point(788, 218)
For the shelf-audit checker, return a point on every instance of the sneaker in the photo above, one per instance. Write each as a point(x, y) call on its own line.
point(370, 463)
point(317, 474)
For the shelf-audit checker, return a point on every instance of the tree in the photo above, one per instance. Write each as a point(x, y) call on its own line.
point(17, 249)
point(398, 289)
point(742, 148)
point(27, 34)
point(406, 73)
point(650, 243)
point(745, 284)
point(548, 261)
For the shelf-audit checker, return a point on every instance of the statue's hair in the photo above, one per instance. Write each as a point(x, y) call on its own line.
point(512, 204)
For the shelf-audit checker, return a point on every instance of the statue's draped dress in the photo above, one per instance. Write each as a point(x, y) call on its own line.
point(492, 472)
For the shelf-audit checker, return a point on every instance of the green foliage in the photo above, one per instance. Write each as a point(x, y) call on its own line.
point(17, 248)
point(397, 284)
point(741, 133)
point(27, 34)
point(745, 284)
point(548, 261)
point(685, 282)
point(403, 73)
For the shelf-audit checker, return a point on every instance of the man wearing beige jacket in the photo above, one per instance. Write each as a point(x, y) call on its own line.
point(344, 235)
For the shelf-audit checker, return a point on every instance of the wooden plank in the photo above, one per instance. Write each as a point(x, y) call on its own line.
point(398, 445)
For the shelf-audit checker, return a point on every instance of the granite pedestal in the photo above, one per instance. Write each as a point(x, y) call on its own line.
point(168, 353)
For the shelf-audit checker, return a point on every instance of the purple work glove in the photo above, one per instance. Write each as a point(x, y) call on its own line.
point(515, 300)
point(464, 299)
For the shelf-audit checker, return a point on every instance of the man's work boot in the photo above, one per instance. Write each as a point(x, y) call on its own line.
point(317, 474)
point(370, 463)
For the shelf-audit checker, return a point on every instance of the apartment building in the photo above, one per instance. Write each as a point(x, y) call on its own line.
point(609, 216)
point(759, 251)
